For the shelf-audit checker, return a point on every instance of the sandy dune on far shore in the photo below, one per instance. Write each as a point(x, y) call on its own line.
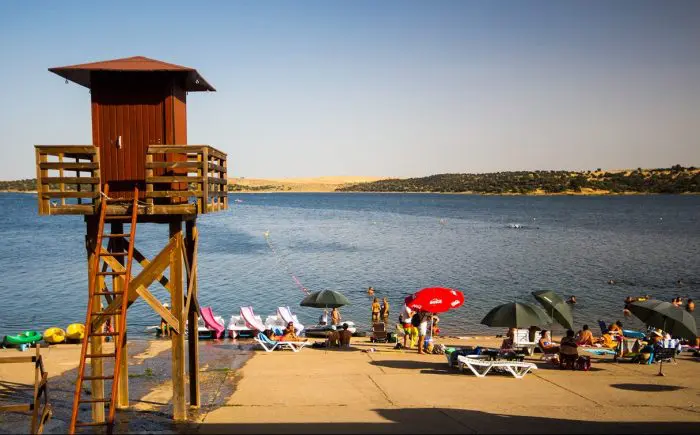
point(313, 184)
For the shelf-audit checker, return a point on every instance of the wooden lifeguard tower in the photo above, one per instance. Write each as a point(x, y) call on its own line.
point(138, 170)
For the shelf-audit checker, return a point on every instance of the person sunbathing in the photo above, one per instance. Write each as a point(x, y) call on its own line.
point(608, 339)
point(546, 343)
point(290, 334)
point(269, 333)
point(585, 337)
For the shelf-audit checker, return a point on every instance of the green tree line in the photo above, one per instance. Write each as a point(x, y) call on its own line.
point(676, 179)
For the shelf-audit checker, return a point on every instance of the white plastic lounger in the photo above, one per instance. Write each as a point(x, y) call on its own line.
point(286, 314)
point(480, 366)
point(270, 345)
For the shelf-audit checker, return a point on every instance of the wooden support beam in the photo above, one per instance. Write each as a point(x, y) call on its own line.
point(192, 239)
point(119, 245)
point(97, 386)
point(143, 279)
point(144, 262)
point(178, 340)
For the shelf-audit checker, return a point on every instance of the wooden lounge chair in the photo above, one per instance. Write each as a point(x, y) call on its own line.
point(482, 366)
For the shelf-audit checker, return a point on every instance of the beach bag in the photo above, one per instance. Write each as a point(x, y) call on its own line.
point(458, 352)
point(583, 363)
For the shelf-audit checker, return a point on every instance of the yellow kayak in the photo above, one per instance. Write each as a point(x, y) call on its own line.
point(54, 335)
point(75, 331)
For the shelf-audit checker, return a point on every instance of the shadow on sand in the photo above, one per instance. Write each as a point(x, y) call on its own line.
point(649, 388)
point(443, 420)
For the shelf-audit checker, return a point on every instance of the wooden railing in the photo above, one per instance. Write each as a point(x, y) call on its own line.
point(187, 171)
point(67, 178)
point(41, 412)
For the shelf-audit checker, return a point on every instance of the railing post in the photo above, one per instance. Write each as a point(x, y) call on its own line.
point(224, 175)
point(61, 184)
point(98, 174)
point(40, 174)
point(149, 173)
point(205, 179)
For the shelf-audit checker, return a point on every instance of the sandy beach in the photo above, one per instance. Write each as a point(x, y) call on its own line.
point(246, 390)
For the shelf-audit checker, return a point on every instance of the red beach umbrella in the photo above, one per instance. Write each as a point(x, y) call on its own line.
point(435, 299)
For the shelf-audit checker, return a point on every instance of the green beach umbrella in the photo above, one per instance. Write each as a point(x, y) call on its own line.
point(556, 307)
point(667, 317)
point(515, 315)
point(325, 299)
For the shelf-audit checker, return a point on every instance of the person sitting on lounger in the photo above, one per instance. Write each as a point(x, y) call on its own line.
point(655, 342)
point(616, 328)
point(344, 336)
point(509, 341)
point(585, 337)
point(290, 333)
point(608, 340)
point(269, 333)
point(546, 343)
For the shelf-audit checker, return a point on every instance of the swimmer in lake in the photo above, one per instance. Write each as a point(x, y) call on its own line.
point(611, 282)
point(572, 300)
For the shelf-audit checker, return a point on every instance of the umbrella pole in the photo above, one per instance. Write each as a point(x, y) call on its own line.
point(661, 363)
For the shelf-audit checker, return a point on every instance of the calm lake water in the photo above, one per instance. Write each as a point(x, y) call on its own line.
point(393, 242)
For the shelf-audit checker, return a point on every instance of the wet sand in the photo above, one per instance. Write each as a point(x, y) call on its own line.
point(385, 391)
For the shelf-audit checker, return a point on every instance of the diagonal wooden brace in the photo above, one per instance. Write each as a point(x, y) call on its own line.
point(139, 287)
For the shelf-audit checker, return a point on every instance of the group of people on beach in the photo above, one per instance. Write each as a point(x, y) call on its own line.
point(565, 352)
point(415, 328)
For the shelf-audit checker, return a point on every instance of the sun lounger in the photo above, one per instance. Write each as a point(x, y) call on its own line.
point(286, 315)
point(481, 366)
point(522, 340)
point(270, 345)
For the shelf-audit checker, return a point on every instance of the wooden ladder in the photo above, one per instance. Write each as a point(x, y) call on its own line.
point(95, 294)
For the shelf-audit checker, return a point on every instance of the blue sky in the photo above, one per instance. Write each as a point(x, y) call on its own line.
point(378, 88)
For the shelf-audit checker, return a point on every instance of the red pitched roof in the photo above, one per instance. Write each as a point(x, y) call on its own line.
point(80, 74)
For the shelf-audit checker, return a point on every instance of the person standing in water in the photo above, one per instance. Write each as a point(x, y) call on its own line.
point(376, 308)
point(335, 317)
point(384, 311)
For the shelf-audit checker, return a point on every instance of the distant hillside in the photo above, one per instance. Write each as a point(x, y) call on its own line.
point(26, 185)
point(676, 179)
